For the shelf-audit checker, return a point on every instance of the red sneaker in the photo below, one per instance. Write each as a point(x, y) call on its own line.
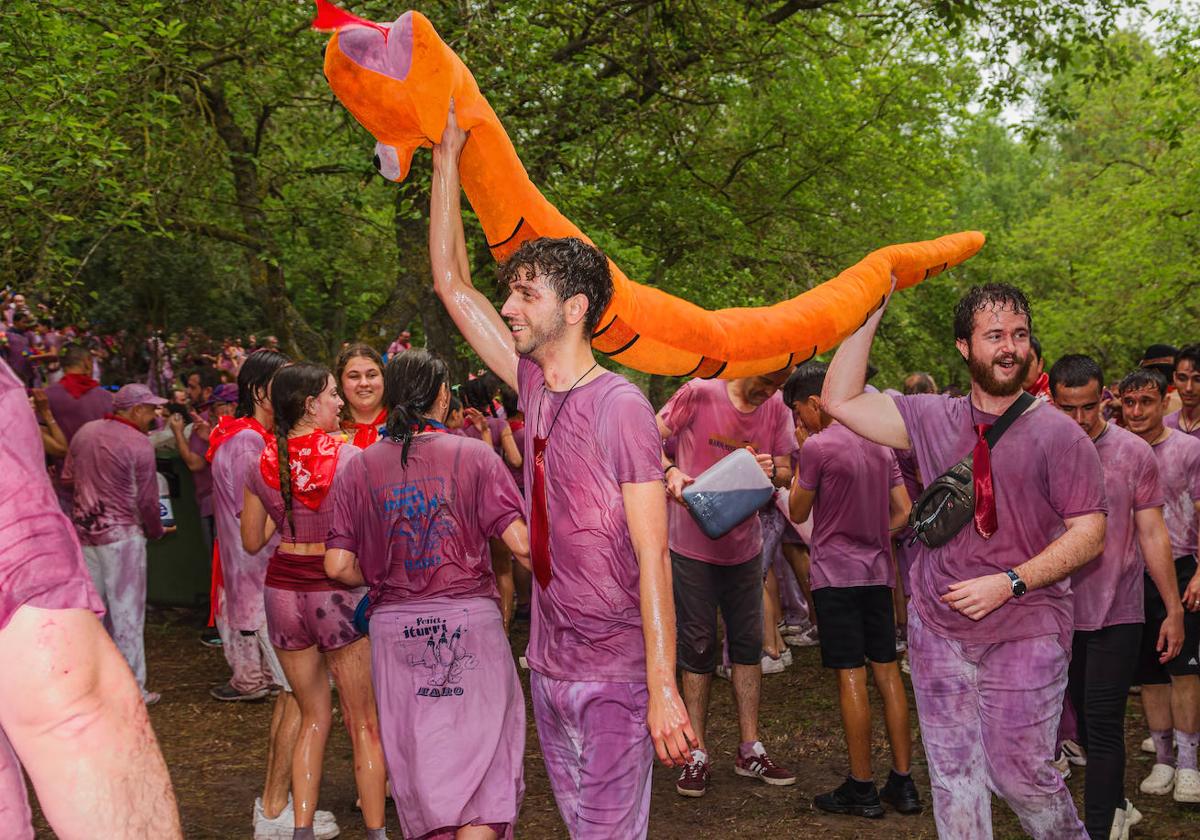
point(693, 781)
point(758, 765)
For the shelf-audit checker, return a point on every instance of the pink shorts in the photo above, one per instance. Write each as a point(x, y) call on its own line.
point(297, 620)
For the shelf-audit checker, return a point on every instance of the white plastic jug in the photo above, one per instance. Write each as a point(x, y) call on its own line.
point(728, 493)
point(165, 511)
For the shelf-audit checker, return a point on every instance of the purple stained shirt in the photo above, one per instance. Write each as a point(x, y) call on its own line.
point(312, 526)
point(705, 427)
point(202, 479)
point(422, 531)
point(1178, 457)
point(587, 624)
point(17, 354)
point(518, 473)
point(495, 425)
point(1171, 421)
point(1045, 469)
point(244, 573)
point(1108, 590)
point(852, 478)
point(71, 413)
point(110, 466)
point(41, 564)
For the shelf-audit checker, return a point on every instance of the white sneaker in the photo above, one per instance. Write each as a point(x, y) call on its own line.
point(1120, 826)
point(802, 638)
point(1074, 753)
point(725, 672)
point(1148, 746)
point(772, 666)
point(1160, 781)
point(325, 826)
point(786, 658)
point(1132, 815)
point(1187, 786)
point(1063, 765)
point(905, 666)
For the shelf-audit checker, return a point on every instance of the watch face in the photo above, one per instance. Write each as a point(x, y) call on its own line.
point(1018, 588)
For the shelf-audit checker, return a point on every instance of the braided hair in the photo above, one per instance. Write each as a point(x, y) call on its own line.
point(254, 378)
point(412, 382)
point(290, 389)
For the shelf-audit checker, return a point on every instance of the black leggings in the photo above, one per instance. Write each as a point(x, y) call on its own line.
point(1102, 666)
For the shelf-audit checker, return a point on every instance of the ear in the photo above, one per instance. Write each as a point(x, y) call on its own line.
point(575, 309)
point(964, 347)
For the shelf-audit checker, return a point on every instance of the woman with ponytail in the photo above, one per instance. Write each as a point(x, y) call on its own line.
point(413, 516)
point(359, 372)
point(310, 617)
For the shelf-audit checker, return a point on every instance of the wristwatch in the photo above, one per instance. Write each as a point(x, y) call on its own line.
point(1018, 585)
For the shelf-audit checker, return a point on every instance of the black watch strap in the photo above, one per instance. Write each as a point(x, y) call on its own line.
point(1018, 585)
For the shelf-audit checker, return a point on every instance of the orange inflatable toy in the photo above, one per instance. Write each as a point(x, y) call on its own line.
point(397, 80)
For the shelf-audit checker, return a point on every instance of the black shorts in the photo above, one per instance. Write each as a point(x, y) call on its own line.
point(700, 588)
point(1150, 670)
point(854, 624)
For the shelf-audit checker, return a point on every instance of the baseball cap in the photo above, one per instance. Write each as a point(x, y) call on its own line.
point(135, 394)
point(226, 392)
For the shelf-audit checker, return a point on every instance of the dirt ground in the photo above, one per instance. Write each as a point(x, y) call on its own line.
point(216, 753)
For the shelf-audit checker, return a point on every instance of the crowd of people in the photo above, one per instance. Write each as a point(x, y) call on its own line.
point(376, 526)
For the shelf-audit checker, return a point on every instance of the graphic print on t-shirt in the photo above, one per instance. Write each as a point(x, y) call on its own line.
point(436, 648)
point(420, 529)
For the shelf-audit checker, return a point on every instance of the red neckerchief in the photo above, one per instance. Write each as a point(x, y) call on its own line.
point(516, 425)
point(78, 384)
point(1041, 388)
point(128, 423)
point(429, 426)
point(366, 433)
point(227, 427)
point(312, 460)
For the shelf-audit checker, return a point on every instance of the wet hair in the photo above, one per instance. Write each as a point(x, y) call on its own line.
point(477, 394)
point(412, 381)
point(1036, 346)
point(806, 381)
point(455, 404)
point(76, 355)
point(1189, 353)
point(508, 399)
point(1075, 371)
point(255, 376)
point(570, 267)
point(922, 383)
point(1144, 378)
point(291, 387)
point(354, 350)
point(987, 296)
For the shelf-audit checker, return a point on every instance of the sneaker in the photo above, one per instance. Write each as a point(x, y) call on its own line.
point(210, 638)
point(1074, 753)
point(1063, 765)
point(786, 658)
point(846, 799)
point(693, 781)
point(1132, 815)
point(905, 666)
point(1120, 826)
point(758, 765)
point(1187, 786)
point(1148, 746)
point(228, 694)
point(901, 794)
point(901, 642)
point(772, 666)
point(150, 697)
point(725, 672)
point(325, 826)
point(803, 638)
point(1160, 781)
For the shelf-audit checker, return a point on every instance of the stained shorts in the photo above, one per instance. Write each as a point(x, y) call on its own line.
point(700, 588)
point(323, 618)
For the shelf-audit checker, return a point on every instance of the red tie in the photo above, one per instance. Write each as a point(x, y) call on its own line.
point(981, 472)
point(539, 526)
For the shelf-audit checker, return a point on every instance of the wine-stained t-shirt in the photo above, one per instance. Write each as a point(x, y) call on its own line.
point(1171, 421)
point(705, 427)
point(421, 531)
point(587, 624)
point(1178, 456)
point(852, 478)
point(110, 466)
point(1045, 470)
point(41, 564)
point(1109, 590)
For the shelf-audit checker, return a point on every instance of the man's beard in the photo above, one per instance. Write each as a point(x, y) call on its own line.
point(539, 336)
point(981, 374)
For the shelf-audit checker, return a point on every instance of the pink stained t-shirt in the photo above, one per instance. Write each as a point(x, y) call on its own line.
point(110, 466)
point(421, 531)
point(1109, 590)
point(244, 573)
point(1171, 421)
point(311, 526)
point(705, 427)
point(40, 564)
point(1044, 470)
point(495, 425)
point(587, 624)
point(852, 478)
point(202, 479)
point(1178, 456)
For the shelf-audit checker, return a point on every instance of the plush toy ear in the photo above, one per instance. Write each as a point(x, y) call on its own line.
point(330, 19)
point(393, 162)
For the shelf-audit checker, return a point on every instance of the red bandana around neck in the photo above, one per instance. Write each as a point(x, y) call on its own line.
point(365, 433)
point(127, 422)
point(312, 460)
point(227, 427)
point(78, 384)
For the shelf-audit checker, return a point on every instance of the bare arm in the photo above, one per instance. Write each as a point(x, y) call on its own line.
point(800, 502)
point(75, 717)
point(471, 311)
point(873, 416)
point(508, 448)
point(675, 478)
point(1155, 543)
point(256, 526)
point(194, 461)
point(646, 512)
point(899, 506)
point(1077, 546)
point(342, 565)
point(516, 537)
point(1191, 595)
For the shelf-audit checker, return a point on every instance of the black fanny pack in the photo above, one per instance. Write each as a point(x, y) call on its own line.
point(948, 504)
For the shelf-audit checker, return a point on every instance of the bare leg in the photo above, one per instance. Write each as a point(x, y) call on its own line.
point(305, 671)
point(502, 565)
point(75, 717)
point(856, 719)
point(696, 690)
point(475, 832)
point(798, 559)
point(523, 580)
point(895, 712)
point(1185, 703)
point(281, 744)
point(747, 688)
point(770, 642)
point(351, 668)
point(1156, 702)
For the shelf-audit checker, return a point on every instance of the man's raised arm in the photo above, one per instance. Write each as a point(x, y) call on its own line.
point(873, 416)
point(471, 311)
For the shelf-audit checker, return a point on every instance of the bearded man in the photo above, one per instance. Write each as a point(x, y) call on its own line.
point(992, 617)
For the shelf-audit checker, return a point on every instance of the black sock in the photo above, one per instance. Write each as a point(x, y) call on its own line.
point(861, 787)
point(303, 834)
point(900, 775)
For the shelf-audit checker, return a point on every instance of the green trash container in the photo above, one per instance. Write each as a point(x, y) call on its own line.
point(180, 566)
